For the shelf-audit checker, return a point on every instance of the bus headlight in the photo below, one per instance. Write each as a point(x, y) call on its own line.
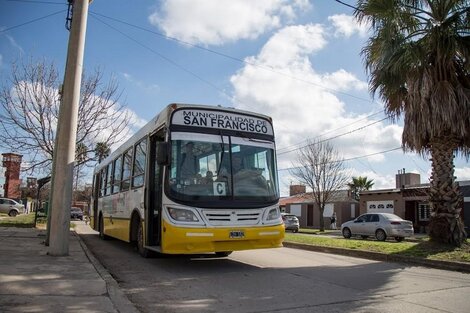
point(273, 214)
point(182, 215)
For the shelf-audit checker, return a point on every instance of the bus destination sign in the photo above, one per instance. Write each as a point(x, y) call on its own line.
point(222, 120)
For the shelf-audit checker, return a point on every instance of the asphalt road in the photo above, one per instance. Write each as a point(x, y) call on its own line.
point(278, 280)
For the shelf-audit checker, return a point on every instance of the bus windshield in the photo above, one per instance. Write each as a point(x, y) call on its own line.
point(205, 166)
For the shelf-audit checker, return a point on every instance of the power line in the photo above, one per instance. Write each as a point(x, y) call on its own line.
point(330, 131)
point(163, 57)
point(348, 5)
point(38, 2)
point(344, 160)
point(266, 68)
point(32, 21)
point(334, 137)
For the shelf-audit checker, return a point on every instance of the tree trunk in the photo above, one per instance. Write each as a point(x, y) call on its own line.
point(445, 198)
point(322, 222)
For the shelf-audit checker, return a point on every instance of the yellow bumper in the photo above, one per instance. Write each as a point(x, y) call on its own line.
point(179, 240)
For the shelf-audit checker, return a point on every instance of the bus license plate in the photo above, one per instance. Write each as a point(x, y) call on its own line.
point(237, 234)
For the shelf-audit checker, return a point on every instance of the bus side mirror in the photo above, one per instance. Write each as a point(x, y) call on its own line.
point(163, 149)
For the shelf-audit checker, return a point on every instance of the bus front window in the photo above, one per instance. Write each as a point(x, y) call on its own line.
point(207, 166)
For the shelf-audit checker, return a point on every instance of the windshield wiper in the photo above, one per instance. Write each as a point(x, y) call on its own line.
point(243, 135)
point(222, 146)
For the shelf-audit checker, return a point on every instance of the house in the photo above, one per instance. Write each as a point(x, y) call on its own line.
point(304, 207)
point(12, 164)
point(409, 200)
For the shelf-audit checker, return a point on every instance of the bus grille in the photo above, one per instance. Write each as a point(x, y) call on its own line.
point(232, 217)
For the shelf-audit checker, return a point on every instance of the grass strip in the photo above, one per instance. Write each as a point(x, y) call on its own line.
point(423, 249)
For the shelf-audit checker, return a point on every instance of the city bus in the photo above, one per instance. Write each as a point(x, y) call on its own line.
point(195, 179)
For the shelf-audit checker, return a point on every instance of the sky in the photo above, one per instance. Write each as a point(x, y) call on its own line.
point(297, 61)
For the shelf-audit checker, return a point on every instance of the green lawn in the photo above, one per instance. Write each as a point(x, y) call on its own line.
point(419, 249)
point(22, 220)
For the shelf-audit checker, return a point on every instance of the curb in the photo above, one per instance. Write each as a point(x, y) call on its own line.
point(118, 298)
point(377, 256)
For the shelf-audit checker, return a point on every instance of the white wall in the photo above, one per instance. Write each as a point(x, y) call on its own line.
point(385, 206)
point(296, 209)
point(329, 208)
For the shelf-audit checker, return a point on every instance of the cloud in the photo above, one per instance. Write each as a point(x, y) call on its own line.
point(462, 173)
point(140, 84)
point(215, 22)
point(15, 44)
point(346, 26)
point(281, 81)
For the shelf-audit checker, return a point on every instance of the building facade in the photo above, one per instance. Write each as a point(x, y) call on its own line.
point(409, 200)
point(301, 204)
point(12, 165)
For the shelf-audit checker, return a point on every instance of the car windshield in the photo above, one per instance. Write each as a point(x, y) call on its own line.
point(390, 216)
point(205, 166)
point(75, 210)
point(290, 217)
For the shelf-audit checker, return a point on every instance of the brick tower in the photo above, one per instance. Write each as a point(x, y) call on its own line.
point(12, 165)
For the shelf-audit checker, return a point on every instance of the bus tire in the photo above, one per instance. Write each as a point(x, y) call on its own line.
point(140, 242)
point(101, 228)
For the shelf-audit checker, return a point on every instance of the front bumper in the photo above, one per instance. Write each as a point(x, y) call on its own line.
point(184, 240)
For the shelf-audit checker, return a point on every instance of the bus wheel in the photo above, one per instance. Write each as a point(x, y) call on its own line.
point(140, 242)
point(101, 229)
point(223, 253)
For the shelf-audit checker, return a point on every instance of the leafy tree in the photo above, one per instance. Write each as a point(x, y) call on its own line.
point(418, 60)
point(102, 151)
point(359, 184)
point(321, 168)
point(29, 108)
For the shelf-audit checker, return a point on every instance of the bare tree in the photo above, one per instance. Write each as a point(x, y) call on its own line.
point(29, 107)
point(320, 167)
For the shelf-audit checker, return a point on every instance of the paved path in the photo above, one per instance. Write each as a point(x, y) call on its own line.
point(32, 281)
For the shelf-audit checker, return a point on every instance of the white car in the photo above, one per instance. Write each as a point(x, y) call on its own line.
point(10, 207)
point(379, 225)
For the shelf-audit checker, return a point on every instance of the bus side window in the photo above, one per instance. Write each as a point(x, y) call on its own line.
point(126, 170)
point(139, 163)
point(117, 169)
point(102, 181)
point(109, 178)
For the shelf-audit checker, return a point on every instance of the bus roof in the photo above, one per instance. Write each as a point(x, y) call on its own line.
point(162, 119)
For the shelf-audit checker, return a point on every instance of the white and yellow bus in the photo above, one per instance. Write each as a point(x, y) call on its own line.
point(195, 179)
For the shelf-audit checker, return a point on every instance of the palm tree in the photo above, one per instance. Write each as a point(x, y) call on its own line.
point(102, 150)
point(359, 184)
point(81, 152)
point(418, 60)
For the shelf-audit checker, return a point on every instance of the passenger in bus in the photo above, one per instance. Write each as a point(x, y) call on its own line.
point(188, 168)
point(209, 179)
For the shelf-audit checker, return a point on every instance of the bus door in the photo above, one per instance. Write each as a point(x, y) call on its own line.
point(96, 191)
point(154, 193)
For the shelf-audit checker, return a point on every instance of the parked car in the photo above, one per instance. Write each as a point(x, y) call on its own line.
point(10, 207)
point(379, 225)
point(291, 222)
point(76, 213)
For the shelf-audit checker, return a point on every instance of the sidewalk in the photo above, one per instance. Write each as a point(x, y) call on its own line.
point(32, 281)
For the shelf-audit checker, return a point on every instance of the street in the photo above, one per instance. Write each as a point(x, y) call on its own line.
point(277, 280)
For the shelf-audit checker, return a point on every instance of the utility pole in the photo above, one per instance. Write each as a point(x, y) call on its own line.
point(64, 153)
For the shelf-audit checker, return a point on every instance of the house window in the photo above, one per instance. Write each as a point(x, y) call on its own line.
point(424, 211)
point(389, 206)
point(372, 206)
point(381, 206)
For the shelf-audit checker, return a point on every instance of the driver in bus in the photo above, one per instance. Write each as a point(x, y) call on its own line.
point(188, 168)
